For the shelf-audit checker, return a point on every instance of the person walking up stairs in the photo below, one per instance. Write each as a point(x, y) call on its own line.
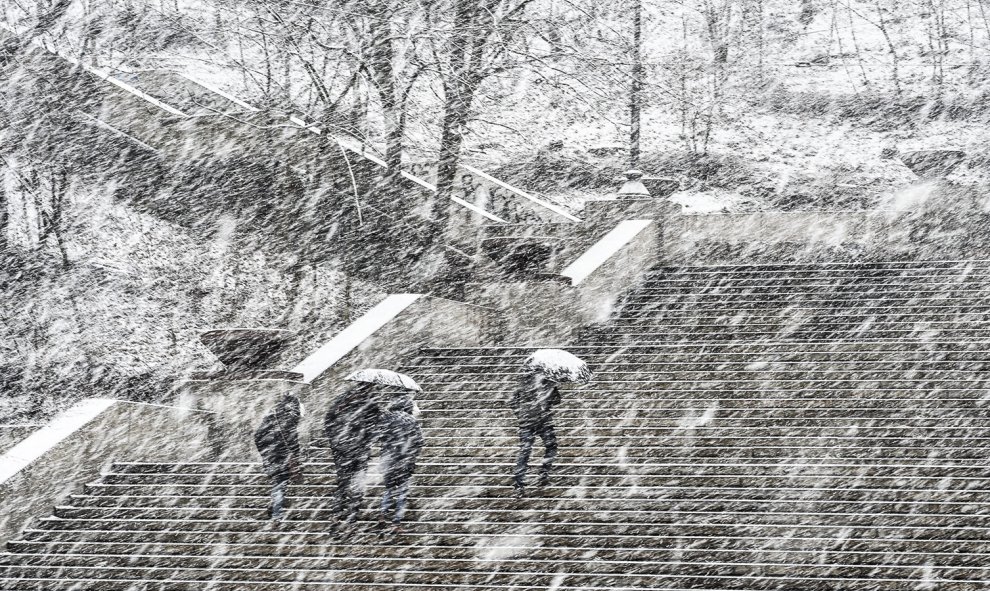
point(277, 440)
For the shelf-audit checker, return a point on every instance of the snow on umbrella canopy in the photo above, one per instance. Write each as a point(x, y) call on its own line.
point(384, 377)
point(559, 365)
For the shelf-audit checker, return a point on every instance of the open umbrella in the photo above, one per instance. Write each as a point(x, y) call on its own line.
point(384, 377)
point(559, 365)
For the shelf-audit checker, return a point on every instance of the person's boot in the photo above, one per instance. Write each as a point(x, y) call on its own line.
point(544, 480)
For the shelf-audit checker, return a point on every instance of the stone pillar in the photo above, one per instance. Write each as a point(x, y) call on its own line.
point(633, 188)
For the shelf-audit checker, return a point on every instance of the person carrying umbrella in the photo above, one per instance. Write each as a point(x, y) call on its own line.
point(349, 426)
point(352, 426)
point(533, 402)
point(277, 440)
point(401, 441)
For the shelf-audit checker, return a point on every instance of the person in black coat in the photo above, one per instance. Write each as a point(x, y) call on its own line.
point(277, 440)
point(533, 403)
point(350, 427)
point(401, 441)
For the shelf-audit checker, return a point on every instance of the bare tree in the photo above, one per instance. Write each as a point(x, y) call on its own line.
point(479, 41)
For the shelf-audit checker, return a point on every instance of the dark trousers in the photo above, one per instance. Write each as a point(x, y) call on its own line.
point(527, 437)
point(350, 487)
point(276, 509)
point(395, 497)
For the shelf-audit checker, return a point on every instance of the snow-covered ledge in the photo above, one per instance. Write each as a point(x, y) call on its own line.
point(46, 438)
point(59, 458)
point(549, 313)
point(607, 247)
point(351, 337)
point(384, 335)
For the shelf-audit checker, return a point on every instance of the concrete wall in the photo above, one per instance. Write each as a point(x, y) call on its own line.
point(122, 432)
point(549, 313)
point(926, 220)
point(236, 408)
point(765, 237)
point(430, 321)
point(841, 237)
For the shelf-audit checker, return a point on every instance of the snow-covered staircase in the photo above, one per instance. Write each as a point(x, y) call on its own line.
point(929, 300)
point(819, 460)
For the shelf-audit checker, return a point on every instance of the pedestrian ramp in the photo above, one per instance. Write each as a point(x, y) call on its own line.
point(821, 460)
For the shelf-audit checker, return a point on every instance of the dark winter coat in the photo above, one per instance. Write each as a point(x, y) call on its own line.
point(534, 399)
point(401, 441)
point(277, 438)
point(350, 425)
point(400, 400)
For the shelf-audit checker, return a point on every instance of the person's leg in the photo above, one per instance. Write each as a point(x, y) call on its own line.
point(355, 490)
point(277, 508)
point(549, 438)
point(402, 491)
point(343, 487)
point(386, 503)
point(526, 438)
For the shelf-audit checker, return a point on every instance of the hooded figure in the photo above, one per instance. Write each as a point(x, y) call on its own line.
point(277, 440)
point(533, 404)
point(401, 441)
point(350, 427)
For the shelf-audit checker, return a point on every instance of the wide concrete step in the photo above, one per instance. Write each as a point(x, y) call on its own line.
point(621, 403)
point(829, 282)
point(703, 362)
point(941, 310)
point(606, 370)
point(784, 321)
point(784, 476)
point(498, 392)
point(527, 581)
point(903, 266)
point(475, 569)
point(824, 285)
point(831, 525)
point(936, 468)
point(499, 487)
point(590, 352)
point(809, 304)
point(704, 274)
point(959, 500)
point(655, 560)
point(820, 297)
point(288, 540)
point(713, 417)
point(739, 406)
point(958, 377)
point(619, 337)
point(541, 548)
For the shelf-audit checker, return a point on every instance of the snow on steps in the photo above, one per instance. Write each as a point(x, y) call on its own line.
point(771, 464)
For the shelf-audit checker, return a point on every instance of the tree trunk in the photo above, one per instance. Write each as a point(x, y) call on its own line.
point(393, 143)
point(4, 215)
point(381, 55)
point(459, 89)
point(882, 25)
point(455, 117)
point(637, 85)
